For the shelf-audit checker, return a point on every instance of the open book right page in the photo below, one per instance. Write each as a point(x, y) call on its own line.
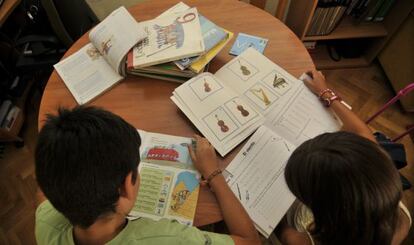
point(290, 109)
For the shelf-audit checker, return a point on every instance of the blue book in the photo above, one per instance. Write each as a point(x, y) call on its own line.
point(212, 35)
point(244, 41)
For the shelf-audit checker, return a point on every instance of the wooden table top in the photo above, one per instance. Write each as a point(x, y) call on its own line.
point(145, 102)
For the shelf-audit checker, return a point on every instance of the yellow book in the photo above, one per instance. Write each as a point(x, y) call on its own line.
point(206, 58)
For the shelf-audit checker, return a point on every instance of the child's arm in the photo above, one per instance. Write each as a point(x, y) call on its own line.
point(352, 123)
point(237, 220)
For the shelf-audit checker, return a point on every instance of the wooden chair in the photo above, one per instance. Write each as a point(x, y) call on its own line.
point(277, 8)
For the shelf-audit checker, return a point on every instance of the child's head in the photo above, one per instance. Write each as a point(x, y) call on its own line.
point(351, 186)
point(83, 157)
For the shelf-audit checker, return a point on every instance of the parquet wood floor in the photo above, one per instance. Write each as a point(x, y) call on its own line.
point(366, 89)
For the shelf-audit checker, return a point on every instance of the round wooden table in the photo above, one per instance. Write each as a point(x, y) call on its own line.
point(146, 104)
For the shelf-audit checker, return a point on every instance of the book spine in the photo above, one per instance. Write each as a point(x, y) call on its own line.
point(382, 12)
point(373, 10)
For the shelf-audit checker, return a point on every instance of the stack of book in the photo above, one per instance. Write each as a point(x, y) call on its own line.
point(369, 10)
point(180, 44)
point(327, 16)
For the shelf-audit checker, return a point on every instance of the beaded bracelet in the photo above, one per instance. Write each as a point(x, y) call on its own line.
point(211, 176)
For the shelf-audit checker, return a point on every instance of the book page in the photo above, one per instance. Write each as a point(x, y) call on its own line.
point(86, 74)
point(301, 117)
point(170, 38)
point(115, 36)
point(256, 177)
point(218, 112)
point(169, 184)
point(258, 80)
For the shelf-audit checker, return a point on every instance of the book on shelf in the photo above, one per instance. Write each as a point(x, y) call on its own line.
point(171, 37)
point(369, 10)
point(169, 183)
point(327, 16)
point(101, 63)
point(247, 92)
point(383, 10)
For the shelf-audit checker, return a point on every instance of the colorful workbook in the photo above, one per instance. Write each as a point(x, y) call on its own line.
point(247, 92)
point(101, 63)
point(170, 38)
point(169, 183)
point(212, 34)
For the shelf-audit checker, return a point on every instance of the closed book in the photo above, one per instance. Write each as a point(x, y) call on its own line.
point(170, 38)
point(212, 35)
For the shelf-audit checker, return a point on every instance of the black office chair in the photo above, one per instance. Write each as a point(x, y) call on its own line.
point(69, 19)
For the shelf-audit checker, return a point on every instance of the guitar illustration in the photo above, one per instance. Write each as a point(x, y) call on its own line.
point(223, 127)
point(207, 87)
point(244, 69)
point(261, 94)
point(279, 82)
point(243, 111)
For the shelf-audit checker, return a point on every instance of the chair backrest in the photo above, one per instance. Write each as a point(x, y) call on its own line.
point(69, 19)
point(276, 8)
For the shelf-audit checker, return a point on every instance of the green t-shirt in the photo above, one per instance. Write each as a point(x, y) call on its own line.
point(53, 228)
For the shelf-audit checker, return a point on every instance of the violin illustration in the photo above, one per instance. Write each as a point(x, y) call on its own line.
point(261, 94)
point(244, 69)
point(207, 87)
point(223, 127)
point(243, 111)
point(279, 82)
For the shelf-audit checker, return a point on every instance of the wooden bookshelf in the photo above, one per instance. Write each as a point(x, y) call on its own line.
point(379, 33)
point(347, 29)
point(322, 60)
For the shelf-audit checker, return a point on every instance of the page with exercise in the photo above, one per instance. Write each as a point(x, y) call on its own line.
point(301, 117)
point(256, 176)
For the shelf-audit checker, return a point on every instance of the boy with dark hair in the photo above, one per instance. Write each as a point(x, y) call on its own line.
point(86, 165)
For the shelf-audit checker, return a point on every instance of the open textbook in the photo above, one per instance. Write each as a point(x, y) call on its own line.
point(247, 92)
point(101, 63)
point(170, 37)
point(169, 184)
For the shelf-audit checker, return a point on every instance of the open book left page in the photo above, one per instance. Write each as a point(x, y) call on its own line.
point(169, 184)
point(101, 64)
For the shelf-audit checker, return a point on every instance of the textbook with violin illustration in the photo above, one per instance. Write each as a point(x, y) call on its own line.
point(247, 92)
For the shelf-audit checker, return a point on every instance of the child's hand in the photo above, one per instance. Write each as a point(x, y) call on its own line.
point(318, 83)
point(204, 157)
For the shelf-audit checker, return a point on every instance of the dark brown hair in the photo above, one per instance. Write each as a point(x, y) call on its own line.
point(351, 186)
